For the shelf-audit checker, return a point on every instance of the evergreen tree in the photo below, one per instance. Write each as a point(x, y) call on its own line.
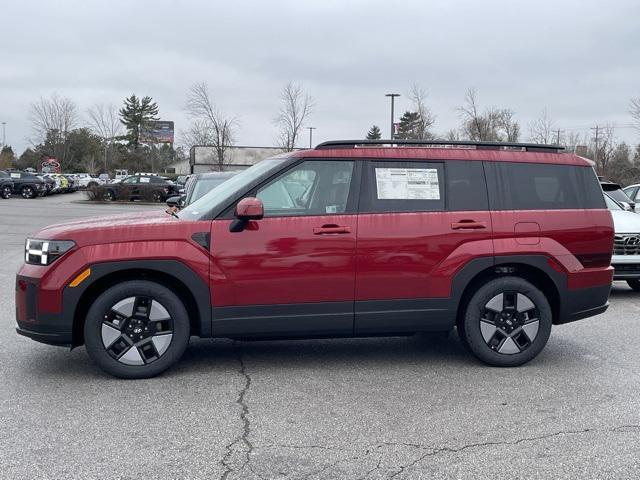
point(7, 157)
point(134, 115)
point(409, 127)
point(374, 133)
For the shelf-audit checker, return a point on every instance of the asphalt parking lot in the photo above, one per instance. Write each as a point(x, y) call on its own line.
point(379, 408)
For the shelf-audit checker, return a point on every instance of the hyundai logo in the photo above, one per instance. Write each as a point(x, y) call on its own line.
point(630, 241)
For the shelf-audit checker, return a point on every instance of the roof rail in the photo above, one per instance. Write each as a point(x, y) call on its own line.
point(528, 147)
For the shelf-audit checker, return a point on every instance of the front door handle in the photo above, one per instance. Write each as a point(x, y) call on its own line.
point(468, 225)
point(331, 229)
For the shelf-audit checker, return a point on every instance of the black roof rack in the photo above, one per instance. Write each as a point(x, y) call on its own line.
point(528, 147)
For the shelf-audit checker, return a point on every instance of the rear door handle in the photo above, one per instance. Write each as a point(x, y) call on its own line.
point(331, 229)
point(468, 225)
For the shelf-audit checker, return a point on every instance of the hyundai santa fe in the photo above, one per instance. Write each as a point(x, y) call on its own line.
point(350, 239)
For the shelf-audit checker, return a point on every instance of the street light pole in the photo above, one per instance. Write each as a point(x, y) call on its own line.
point(4, 133)
point(311, 129)
point(393, 96)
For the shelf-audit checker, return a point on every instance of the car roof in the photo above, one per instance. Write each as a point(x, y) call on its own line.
point(214, 174)
point(493, 152)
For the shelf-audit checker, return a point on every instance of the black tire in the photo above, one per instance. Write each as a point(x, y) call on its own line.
point(157, 197)
point(6, 192)
point(469, 326)
point(634, 284)
point(103, 305)
point(108, 196)
point(28, 192)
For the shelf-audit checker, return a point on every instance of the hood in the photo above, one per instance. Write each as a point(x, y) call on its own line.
point(625, 222)
point(115, 228)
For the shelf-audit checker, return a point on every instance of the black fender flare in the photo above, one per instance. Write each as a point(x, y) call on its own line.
point(179, 271)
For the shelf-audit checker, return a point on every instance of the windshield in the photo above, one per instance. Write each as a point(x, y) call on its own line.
point(218, 195)
point(205, 185)
point(619, 196)
point(611, 204)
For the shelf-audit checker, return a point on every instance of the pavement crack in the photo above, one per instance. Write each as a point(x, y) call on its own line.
point(240, 443)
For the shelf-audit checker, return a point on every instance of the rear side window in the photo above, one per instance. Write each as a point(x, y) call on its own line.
point(403, 187)
point(466, 187)
point(535, 186)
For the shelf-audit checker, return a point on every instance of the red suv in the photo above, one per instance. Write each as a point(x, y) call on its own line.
point(350, 239)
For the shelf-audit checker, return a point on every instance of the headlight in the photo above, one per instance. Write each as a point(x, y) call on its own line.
point(44, 252)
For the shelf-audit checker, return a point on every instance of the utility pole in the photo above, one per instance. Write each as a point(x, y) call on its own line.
point(4, 133)
point(311, 129)
point(393, 96)
point(558, 137)
point(595, 155)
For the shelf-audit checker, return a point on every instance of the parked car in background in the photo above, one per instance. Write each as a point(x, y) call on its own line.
point(120, 175)
point(86, 180)
point(104, 177)
point(6, 185)
point(26, 184)
point(49, 185)
point(615, 191)
point(197, 186)
point(626, 244)
point(138, 187)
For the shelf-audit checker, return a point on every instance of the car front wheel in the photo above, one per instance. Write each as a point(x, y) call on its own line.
point(6, 192)
point(507, 322)
point(108, 196)
point(136, 329)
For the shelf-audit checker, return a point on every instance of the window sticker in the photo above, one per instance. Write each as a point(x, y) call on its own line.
point(15, 175)
point(407, 184)
point(145, 179)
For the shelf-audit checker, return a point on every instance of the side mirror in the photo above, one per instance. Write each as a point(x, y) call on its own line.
point(250, 208)
point(175, 201)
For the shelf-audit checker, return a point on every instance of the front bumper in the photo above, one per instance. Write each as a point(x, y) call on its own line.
point(44, 327)
point(626, 267)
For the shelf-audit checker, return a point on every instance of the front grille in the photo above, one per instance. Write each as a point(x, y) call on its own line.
point(628, 244)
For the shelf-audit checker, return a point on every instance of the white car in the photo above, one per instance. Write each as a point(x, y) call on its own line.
point(86, 180)
point(626, 245)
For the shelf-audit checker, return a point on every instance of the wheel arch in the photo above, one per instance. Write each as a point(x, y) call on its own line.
point(176, 276)
point(536, 269)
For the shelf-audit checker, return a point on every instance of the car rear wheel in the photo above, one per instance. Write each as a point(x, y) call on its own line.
point(136, 329)
point(634, 284)
point(108, 196)
point(28, 192)
point(157, 197)
point(6, 192)
point(507, 322)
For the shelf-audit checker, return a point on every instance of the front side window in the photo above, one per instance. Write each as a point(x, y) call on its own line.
point(313, 187)
point(130, 180)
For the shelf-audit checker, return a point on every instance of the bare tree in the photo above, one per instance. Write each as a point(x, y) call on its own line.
point(52, 119)
point(295, 109)
point(542, 129)
point(198, 133)
point(104, 121)
point(507, 124)
point(210, 125)
point(452, 135)
point(426, 119)
point(605, 147)
point(489, 124)
point(635, 111)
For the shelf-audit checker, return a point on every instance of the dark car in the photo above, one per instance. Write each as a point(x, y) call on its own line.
point(138, 187)
point(615, 191)
point(6, 185)
point(501, 240)
point(49, 185)
point(197, 186)
point(26, 184)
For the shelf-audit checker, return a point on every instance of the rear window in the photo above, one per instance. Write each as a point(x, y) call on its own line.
point(535, 186)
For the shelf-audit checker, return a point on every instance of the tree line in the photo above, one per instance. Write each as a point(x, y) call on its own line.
point(106, 137)
point(617, 161)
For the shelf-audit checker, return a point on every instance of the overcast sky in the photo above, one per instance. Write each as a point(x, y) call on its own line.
point(580, 59)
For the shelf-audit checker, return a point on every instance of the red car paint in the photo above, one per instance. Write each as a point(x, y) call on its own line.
point(349, 257)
